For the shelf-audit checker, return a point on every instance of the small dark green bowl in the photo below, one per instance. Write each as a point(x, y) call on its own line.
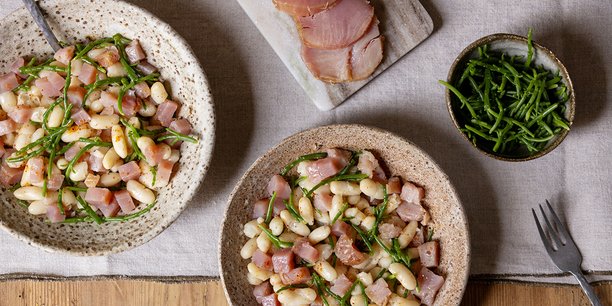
point(513, 45)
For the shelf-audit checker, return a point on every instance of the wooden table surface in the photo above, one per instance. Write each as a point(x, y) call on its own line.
point(143, 292)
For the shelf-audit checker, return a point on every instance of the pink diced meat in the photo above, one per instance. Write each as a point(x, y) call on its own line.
point(409, 211)
point(262, 260)
point(262, 290)
point(129, 104)
point(418, 239)
point(412, 193)
point(378, 292)
point(323, 201)
point(80, 116)
point(129, 171)
point(341, 285)
point(260, 208)
point(125, 201)
point(346, 251)
point(73, 150)
point(21, 114)
point(429, 254)
point(303, 249)
point(341, 156)
point(164, 172)
point(165, 112)
point(108, 99)
point(429, 283)
point(54, 214)
point(8, 82)
point(153, 154)
point(64, 55)
point(299, 275)
point(279, 185)
point(56, 181)
point(46, 88)
point(368, 164)
point(88, 74)
point(18, 63)
point(76, 95)
point(36, 167)
point(340, 228)
point(283, 261)
point(99, 196)
point(134, 52)
point(56, 80)
point(146, 67)
point(323, 168)
point(110, 210)
point(9, 176)
point(394, 185)
point(142, 90)
point(181, 125)
point(2, 149)
point(95, 163)
point(389, 231)
point(270, 300)
point(109, 57)
point(7, 126)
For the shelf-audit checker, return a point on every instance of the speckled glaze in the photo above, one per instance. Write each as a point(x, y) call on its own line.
point(513, 45)
point(400, 156)
point(73, 21)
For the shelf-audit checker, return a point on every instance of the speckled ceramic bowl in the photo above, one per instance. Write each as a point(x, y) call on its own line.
point(401, 158)
point(512, 45)
point(74, 20)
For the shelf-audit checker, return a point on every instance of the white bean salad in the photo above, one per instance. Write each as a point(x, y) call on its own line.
point(88, 135)
point(338, 231)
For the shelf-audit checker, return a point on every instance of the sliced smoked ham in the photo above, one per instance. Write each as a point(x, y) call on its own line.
point(367, 53)
point(304, 7)
point(337, 27)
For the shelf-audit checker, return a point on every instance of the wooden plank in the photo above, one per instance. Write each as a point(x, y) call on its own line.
point(151, 293)
point(403, 23)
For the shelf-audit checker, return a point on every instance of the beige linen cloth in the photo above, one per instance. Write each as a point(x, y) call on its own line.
point(258, 104)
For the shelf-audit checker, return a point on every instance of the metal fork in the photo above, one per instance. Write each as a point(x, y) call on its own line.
point(563, 251)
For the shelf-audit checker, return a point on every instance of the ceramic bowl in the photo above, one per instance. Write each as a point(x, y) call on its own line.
point(512, 45)
point(75, 20)
point(400, 156)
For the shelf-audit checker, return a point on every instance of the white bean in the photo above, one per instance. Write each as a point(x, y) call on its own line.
point(116, 70)
point(38, 134)
point(166, 150)
point(263, 242)
point(258, 272)
point(368, 222)
point(293, 225)
point(345, 188)
point(38, 208)
point(146, 176)
point(139, 192)
point(8, 101)
point(326, 270)
point(325, 250)
point(306, 210)
point(14, 165)
point(25, 176)
point(93, 53)
point(253, 280)
point(251, 229)
point(397, 300)
point(158, 93)
point(79, 172)
point(403, 275)
point(102, 122)
point(37, 114)
point(365, 278)
point(110, 179)
point(148, 109)
point(355, 215)
point(9, 139)
point(174, 156)
point(276, 282)
point(96, 105)
point(393, 202)
point(29, 193)
point(336, 206)
point(68, 197)
point(322, 217)
point(385, 261)
point(372, 189)
point(277, 226)
point(407, 234)
point(134, 121)
point(55, 117)
point(119, 141)
point(249, 248)
point(319, 234)
point(353, 200)
point(76, 132)
point(358, 300)
point(111, 159)
point(289, 236)
point(145, 143)
point(299, 296)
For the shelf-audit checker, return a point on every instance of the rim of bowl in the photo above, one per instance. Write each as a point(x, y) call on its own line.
point(571, 102)
point(200, 171)
point(468, 253)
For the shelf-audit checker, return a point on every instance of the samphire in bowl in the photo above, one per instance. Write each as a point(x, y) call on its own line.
point(75, 21)
point(401, 158)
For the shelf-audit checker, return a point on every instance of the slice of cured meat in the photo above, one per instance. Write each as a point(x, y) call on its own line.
point(337, 27)
point(367, 53)
point(304, 7)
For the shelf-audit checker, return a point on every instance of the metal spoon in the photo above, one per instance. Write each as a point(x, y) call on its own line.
point(42, 23)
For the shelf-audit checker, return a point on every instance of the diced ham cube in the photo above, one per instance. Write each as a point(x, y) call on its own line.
point(88, 74)
point(418, 239)
point(340, 228)
point(129, 171)
point(134, 52)
point(109, 57)
point(323, 202)
point(80, 116)
point(164, 172)
point(21, 114)
point(283, 261)
point(394, 185)
point(262, 260)
point(9, 176)
point(262, 290)
point(64, 55)
point(389, 231)
point(429, 283)
point(125, 201)
point(56, 80)
point(279, 185)
point(76, 95)
point(142, 90)
point(36, 169)
point(110, 210)
point(378, 292)
point(410, 212)
point(56, 182)
point(429, 254)
point(165, 112)
point(2, 149)
point(412, 193)
point(153, 154)
point(323, 168)
point(341, 285)
point(346, 251)
point(181, 125)
point(18, 63)
point(106, 135)
point(108, 99)
point(146, 67)
point(95, 163)
point(260, 208)
point(368, 164)
point(303, 249)
point(99, 197)
point(54, 214)
point(8, 82)
point(270, 300)
point(7, 126)
point(341, 156)
point(74, 150)
point(129, 104)
point(46, 88)
point(299, 275)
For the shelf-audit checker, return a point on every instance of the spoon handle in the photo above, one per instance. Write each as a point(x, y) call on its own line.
point(42, 23)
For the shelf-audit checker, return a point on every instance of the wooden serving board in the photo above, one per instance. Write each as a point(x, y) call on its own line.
point(404, 24)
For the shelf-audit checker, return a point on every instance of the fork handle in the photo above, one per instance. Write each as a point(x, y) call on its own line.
point(586, 287)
